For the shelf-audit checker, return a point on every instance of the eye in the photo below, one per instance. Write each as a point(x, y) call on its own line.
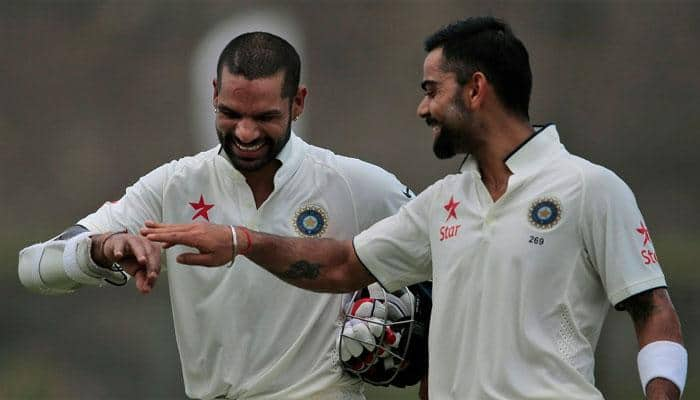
point(430, 91)
point(228, 113)
point(271, 117)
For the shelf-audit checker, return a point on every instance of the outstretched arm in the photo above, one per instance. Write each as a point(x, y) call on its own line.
point(655, 320)
point(322, 265)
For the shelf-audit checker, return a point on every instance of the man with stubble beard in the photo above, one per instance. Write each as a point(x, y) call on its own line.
point(241, 332)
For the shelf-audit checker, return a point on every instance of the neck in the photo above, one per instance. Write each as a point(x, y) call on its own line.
point(497, 139)
point(262, 181)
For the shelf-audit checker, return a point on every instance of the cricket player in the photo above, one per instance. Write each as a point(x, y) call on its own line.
point(527, 247)
point(241, 332)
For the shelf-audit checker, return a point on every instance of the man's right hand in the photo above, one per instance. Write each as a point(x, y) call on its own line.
point(138, 256)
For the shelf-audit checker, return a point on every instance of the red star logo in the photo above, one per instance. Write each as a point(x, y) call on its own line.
point(202, 208)
point(644, 232)
point(451, 208)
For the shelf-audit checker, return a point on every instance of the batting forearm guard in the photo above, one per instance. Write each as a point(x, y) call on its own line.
point(63, 264)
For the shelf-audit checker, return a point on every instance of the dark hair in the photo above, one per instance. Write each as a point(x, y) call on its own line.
point(488, 45)
point(260, 55)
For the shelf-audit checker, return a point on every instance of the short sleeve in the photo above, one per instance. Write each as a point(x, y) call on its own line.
point(376, 193)
point(616, 237)
point(396, 250)
point(142, 201)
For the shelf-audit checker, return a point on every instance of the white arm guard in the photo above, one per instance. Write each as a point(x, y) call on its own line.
point(62, 266)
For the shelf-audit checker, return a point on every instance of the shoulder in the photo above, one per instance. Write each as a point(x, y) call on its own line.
point(599, 180)
point(199, 160)
point(189, 165)
point(183, 168)
point(602, 191)
point(452, 179)
point(590, 178)
point(352, 170)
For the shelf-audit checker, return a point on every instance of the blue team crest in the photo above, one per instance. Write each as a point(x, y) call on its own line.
point(311, 220)
point(545, 212)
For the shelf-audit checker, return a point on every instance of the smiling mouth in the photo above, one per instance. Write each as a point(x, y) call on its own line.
point(249, 147)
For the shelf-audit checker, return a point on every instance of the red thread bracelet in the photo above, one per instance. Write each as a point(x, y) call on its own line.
point(248, 245)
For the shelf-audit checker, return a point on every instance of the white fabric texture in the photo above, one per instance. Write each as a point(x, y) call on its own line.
point(521, 286)
point(241, 332)
point(663, 359)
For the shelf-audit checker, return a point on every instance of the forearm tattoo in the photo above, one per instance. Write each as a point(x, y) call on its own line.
point(302, 270)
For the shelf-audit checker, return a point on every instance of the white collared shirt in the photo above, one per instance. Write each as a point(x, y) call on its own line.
point(241, 332)
point(521, 286)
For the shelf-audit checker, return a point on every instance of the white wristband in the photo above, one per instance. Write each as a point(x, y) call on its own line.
point(663, 359)
point(234, 246)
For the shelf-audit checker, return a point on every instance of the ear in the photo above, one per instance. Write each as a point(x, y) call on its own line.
point(216, 92)
point(298, 101)
point(474, 92)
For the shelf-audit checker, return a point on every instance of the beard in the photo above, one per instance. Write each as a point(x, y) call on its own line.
point(444, 143)
point(450, 139)
point(274, 146)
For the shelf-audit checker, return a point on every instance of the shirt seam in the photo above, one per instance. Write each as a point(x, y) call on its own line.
point(584, 188)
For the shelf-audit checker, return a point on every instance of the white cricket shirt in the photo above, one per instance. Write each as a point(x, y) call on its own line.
point(242, 332)
point(521, 286)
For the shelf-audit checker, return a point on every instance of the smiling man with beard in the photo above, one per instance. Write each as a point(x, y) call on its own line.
point(527, 247)
point(241, 332)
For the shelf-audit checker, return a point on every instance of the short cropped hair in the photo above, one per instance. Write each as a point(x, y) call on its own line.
point(257, 55)
point(488, 45)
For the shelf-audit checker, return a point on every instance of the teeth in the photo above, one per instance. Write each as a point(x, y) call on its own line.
point(249, 147)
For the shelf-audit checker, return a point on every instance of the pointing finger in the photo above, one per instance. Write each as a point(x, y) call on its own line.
point(173, 238)
point(151, 226)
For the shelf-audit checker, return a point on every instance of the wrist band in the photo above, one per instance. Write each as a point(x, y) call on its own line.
point(234, 246)
point(249, 245)
point(663, 359)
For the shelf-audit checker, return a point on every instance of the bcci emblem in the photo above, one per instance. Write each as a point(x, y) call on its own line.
point(544, 213)
point(311, 220)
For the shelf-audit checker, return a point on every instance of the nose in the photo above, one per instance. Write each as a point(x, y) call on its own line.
point(423, 111)
point(247, 131)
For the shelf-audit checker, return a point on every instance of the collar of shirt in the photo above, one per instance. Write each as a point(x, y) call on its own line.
point(535, 152)
point(290, 156)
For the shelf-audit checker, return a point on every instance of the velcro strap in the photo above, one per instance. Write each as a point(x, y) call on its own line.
point(77, 261)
